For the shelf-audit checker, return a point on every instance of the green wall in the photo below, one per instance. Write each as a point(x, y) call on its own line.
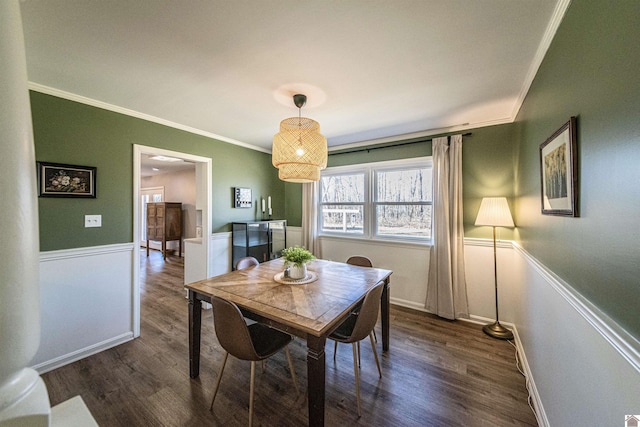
point(293, 204)
point(74, 133)
point(591, 72)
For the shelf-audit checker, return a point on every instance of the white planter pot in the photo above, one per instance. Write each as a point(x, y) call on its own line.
point(296, 272)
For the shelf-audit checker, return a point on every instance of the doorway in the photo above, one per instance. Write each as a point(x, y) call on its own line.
point(203, 178)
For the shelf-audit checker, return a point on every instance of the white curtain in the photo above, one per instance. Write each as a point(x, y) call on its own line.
point(310, 218)
point(447, 287)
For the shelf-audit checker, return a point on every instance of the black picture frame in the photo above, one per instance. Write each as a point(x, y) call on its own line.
point(62, 180)
point(242, 197)
point(559, 172)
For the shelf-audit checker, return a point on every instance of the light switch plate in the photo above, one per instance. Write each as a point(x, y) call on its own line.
point(92, 221)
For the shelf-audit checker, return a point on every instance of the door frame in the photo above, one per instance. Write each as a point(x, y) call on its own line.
point(204, 175)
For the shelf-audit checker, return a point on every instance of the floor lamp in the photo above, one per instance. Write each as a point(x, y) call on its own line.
point(494, 212)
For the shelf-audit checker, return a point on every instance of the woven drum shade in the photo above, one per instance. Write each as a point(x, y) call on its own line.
point(299, 150)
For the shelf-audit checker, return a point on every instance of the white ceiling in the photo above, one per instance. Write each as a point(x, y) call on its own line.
point(150, 166)
point(372, 69)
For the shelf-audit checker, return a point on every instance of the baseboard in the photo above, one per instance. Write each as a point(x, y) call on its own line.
point(82, 353)
point(536, 402)
point(408, 304)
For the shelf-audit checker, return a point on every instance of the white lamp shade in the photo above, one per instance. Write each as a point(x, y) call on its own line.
point(494, 211)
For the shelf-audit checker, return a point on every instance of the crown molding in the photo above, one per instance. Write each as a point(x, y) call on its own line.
point(132, 113)
point(543, 47)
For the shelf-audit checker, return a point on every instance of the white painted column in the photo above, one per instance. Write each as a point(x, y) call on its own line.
point(23, 395)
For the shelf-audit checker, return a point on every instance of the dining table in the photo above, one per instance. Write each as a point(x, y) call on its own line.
point(310, 308)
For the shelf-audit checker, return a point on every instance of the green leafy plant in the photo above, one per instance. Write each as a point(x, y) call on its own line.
point(297, 256)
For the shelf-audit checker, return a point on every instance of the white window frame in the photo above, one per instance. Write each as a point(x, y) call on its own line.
point(370, 204)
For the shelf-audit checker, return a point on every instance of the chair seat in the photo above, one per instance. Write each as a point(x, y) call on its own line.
point(344, 331)
point(266, 340)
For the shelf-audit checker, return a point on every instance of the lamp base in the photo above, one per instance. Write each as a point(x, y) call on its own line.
point(496, 330)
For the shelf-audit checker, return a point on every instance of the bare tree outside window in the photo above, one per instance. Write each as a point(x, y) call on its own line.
point(400, 205)
point(342, 202)
point(403, 202)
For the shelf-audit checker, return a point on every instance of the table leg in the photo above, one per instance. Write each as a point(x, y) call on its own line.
point(195, 324)
point(316, 379)
point(384, 309)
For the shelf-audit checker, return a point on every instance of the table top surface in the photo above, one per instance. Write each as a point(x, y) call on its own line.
point(312, 308)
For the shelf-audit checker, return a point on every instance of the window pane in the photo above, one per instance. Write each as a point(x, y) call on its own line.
point(404, 220)
point(342, 188)
point(409, 185)
point(343, 219)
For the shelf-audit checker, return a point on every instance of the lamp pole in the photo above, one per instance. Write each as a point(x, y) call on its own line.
point(496, 330)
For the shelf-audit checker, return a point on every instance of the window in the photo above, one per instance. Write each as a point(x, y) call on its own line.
point(343, 197)
point(387, 200)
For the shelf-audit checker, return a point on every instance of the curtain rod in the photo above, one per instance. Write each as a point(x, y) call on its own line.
point(358, 150)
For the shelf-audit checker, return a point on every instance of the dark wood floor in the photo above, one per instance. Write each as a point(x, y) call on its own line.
point(437, 373)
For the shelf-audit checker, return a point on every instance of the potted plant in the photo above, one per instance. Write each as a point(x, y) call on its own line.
point(296, 258)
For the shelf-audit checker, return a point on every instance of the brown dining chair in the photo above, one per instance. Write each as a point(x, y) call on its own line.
point(357, 327)
point(246, 262)
point(360, 261)
point(253, 342)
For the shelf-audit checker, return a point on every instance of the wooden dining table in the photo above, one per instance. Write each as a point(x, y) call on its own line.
point(311, 311)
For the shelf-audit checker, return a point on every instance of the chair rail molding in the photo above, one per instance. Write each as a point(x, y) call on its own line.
point(624, 343)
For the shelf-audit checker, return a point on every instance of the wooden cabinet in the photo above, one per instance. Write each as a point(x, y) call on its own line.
point(164, 224)
point(263, 240)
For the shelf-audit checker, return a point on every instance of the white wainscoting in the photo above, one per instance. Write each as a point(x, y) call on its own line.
point(219, 253)
point(479, 272)
point(86, 303)
point(583, 368)
point(294, 236)
point(410, 265)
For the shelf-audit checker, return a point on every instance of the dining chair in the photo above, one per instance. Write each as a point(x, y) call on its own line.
point(253, 342)
point(246, 262)
point(357, 327)
point(360, 261)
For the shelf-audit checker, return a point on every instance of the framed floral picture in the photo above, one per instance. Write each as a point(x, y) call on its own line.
point(60, 180)
point(558, 172)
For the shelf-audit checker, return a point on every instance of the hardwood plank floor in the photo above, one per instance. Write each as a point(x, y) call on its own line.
point(437, 373)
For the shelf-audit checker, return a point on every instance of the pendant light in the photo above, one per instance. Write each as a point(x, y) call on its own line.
point(299, 150)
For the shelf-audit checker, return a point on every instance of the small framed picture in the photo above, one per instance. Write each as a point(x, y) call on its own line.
point(60, 180)
point(242, 197)
point(558, 172)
